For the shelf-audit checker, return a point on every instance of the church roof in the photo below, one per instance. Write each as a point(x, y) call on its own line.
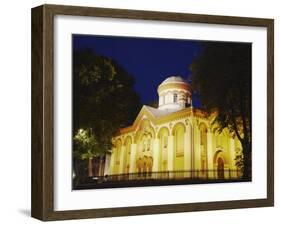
point(155, 115)
point(158, 113)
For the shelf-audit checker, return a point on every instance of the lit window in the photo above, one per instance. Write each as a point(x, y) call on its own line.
point(175, 97)
point(165, 142)
point(179, 140)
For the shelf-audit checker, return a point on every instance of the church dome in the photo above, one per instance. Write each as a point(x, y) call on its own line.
point(172, 83)
point(174, 93)
point(173, 79)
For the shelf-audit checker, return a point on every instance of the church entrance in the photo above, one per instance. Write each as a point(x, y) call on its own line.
point(220, 168)
point(149, 163)
point(139, 166)
point(144, 166)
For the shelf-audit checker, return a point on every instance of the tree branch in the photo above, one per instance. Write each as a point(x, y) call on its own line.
point(232, 118)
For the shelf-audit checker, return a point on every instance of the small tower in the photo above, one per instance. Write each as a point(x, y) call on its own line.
point(174, 94)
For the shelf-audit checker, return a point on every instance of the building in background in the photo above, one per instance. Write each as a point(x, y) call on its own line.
point(174, 140)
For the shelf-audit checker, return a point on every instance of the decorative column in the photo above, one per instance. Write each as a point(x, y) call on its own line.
point(133, 158)
point(196, 147)
point(187, 151)
point(156, 150)
point(122, 155)
point(210, 165)
point(170, 153)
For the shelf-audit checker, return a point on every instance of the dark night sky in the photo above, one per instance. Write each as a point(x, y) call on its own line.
point(149, 60)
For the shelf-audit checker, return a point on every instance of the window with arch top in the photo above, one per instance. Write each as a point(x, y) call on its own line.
point(175, 97)
point(179, 139)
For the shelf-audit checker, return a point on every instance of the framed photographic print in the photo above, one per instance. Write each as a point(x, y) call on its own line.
point(141, 112)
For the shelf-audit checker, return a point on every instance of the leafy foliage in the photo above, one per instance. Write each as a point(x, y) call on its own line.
point(239, 162)
point(85, 143)
point(104, 100)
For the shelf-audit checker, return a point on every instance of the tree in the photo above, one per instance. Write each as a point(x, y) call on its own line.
point(222, 76)
point(86, 148)
point(104, 98)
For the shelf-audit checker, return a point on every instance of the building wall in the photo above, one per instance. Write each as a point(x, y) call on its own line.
point(183, 144)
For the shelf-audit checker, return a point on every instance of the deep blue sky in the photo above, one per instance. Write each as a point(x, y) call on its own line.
point(148, 60)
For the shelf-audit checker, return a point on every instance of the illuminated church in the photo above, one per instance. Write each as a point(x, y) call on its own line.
point(174, 138)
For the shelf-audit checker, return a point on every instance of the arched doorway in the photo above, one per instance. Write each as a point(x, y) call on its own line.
point(149, 164)
point(220, 168)
point(139, 166)
point(220, 162)
point(144, 139)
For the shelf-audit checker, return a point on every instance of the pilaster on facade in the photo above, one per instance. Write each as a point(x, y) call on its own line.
point(122, 156)
point(187, 149)
point(196, 147)
point(155, 154)
point(133, 158)
point(112, 161)
point(170, 153)
point(210, 154)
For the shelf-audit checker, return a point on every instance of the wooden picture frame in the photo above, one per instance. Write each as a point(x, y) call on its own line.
point(42, 205)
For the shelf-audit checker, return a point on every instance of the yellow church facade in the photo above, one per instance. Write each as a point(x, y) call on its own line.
point(174, 140)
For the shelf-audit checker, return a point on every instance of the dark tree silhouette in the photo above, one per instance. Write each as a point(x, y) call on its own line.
point(222, 76)
point(104, 99)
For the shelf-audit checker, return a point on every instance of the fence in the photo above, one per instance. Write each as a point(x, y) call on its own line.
point(177, 175)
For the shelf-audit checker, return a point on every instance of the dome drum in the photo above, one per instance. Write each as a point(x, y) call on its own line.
point(174, 94)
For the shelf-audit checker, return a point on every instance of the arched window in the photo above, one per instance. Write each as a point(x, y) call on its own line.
point(179, 139)
point(175, 98)
point(179, 131)
point(218, 139)
point(165, 142)
point(203, 136)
